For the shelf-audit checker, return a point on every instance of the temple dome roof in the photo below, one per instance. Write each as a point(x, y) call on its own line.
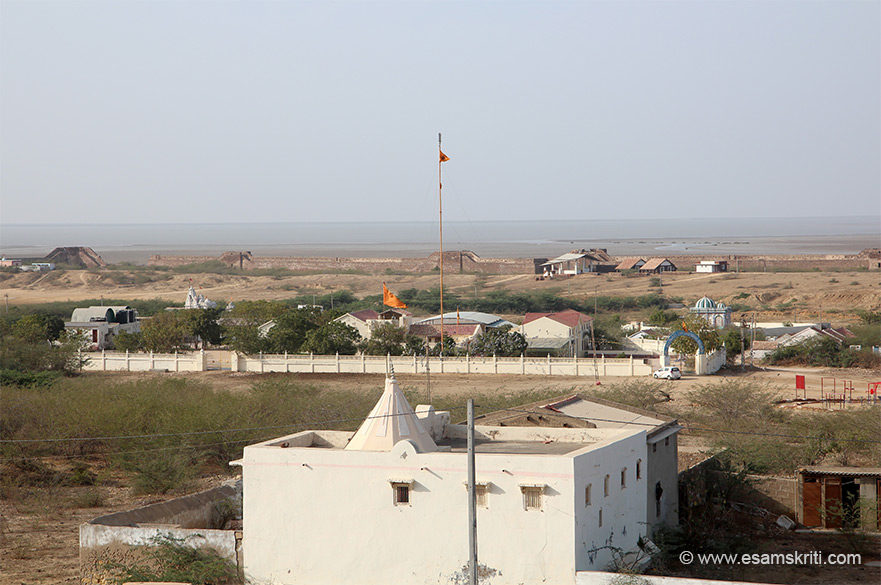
point(705, 303)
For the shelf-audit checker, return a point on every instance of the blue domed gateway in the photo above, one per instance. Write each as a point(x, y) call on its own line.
point(717, 315)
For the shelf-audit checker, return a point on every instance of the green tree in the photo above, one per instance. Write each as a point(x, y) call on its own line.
point(240, 325)
point(125, 341)
point(500, 341)
point(332, 338)
point(700, 327)
point(449, 347)
point(202, 323)
point(38, 327)
point(386, 339)
point(291, 329)
point(166, 332)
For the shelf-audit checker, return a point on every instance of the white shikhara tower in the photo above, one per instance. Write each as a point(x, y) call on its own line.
point(390, 421)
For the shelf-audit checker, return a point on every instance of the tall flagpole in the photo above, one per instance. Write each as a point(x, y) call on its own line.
point(440, 213)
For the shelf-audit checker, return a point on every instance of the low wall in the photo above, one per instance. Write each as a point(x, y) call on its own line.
point(110, 361)
point(710, 363)
point(450, 365)
point(114, 539)
point(776, 494)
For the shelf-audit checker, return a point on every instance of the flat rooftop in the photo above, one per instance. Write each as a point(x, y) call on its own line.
point(513, 447)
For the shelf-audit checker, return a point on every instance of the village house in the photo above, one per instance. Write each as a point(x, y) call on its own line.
point(657, 266)
point(579, 262)
point(711, 266)
point(98, 325)
point(359, 320)
point(566, 333)
point(461, 334)
point(629, 264)
point(550, 501)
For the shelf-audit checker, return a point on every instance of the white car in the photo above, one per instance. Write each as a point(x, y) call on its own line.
point(668, 373)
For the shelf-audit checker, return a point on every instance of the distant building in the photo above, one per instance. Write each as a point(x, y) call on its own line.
point(711, 266)
point(100, 324)
point(657, 266)
point(566, 333)
point(629, 264)
point(488, 320)
point(359, 320)
point(717, 315)
point(579, 262)
point(385, 504)
point(460, 334)
point(8, 262)
point(197, 301)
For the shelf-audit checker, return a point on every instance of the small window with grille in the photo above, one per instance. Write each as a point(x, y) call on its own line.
point(587, 494)
point(639, 469)
point(401, 491)
point(623, 478)
point(532, 496)
point(606, 486)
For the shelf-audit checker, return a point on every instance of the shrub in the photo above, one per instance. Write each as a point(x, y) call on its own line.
point(168, 559)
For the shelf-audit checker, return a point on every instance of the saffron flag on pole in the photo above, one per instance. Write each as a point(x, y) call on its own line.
point(443, 157)
point(391, 300)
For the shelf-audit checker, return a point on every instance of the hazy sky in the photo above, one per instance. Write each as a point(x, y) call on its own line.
point(192, 111)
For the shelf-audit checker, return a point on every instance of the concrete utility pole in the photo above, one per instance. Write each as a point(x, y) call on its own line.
point(472, 500)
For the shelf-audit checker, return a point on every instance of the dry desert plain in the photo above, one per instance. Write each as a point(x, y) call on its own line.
point(777, 296)
point(38, 540)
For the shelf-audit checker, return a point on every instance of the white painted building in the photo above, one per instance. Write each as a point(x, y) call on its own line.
point(567, 332)
point(388, 504)
point(98, 325)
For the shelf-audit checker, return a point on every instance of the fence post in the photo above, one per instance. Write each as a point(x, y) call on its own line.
point(128, 365)
point(495, 364)
point(152, 364)
point(363, 364)
point(175, 361)
point(468, 363)
point(549, 364)
point(311, 362)
point(604, 363)
point(631, 364)
point(522, 363)
point(576, 365)
point(337, 362)
point(415, 364)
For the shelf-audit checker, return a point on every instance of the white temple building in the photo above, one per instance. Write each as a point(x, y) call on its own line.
point(197, 301)
point(717, 315)
point(388, 503)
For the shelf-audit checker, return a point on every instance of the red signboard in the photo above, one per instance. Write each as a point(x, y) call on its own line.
point(799, 382)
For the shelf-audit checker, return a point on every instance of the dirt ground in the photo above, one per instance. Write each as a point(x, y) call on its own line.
point(796, 296)
point(39, 527)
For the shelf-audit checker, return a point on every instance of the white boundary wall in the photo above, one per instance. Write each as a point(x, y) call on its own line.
point(363, 364)
point(111, 361)
point(449, 365)
point(710, 363)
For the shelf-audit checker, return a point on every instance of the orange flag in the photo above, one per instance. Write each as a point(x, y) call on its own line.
point(391, 300)
point(443, 157)
point(685, 327)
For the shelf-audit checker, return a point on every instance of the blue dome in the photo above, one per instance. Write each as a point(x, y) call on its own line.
point(705, 303)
